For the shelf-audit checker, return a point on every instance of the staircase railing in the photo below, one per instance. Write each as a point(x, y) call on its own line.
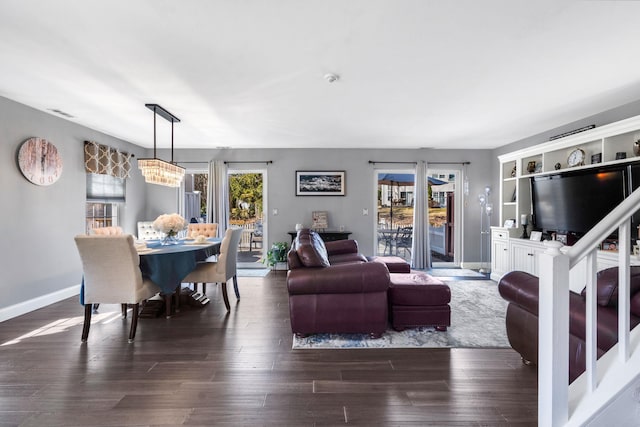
point(560, 404)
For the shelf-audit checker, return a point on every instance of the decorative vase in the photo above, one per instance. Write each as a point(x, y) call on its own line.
point(171, 238)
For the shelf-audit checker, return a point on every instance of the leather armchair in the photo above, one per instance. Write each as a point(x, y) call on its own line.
point(520, 289)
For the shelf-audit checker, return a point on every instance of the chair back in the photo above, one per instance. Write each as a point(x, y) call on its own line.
point(204, 229)
point(147, 232)
point(228, 257)
point(111, 269)
point(108, 231)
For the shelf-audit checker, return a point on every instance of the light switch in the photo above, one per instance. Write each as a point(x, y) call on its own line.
point(275, 211)
point(365, 211)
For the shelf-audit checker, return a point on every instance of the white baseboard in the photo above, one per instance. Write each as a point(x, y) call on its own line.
point(36, 303)
point(473, 265)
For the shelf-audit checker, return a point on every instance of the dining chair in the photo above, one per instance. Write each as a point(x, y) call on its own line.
point(256, 236)
point(404, 239)
point(108, 231)
point(204, 229)
point(223, 269)
point(147, 232)
point(386, 238)
point(111, 267)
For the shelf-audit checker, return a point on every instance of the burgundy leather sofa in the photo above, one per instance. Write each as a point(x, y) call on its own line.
point(520, 289)
point(334, 289)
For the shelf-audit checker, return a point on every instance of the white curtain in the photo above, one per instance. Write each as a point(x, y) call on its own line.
point(218, 196)
point(421, 253)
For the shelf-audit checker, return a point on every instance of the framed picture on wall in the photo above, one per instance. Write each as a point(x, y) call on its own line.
point(320, 183)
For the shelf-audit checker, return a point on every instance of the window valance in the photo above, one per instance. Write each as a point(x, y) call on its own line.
point(105, 160)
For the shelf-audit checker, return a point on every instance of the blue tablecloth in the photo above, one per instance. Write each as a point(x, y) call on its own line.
point(166, 266)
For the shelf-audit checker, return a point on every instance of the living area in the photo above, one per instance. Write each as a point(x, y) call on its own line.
point(354, 87)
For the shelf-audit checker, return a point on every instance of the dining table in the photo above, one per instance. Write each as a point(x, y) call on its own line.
point(167, 265)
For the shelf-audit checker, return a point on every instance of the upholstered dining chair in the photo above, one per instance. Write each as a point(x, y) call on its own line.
point(147, 232)
point(112, 276)
point(204, 229)
point(108, 231)
point(223, 269)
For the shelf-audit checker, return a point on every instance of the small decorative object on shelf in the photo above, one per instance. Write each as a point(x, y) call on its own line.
point(557, 166)
point(636, 144)
point(621, 155)
point(513, 172)
point(596, 158)
point(531, 167)
point(524, 221)
point(170, 225)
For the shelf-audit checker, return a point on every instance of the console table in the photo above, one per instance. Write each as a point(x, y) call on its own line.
point(327, 235)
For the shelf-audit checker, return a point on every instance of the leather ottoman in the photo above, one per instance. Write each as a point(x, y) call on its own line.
point(395, 264)
point(418, 299)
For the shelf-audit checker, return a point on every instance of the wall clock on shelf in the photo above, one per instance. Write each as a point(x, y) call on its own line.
point(576, 157)
point(39, 161)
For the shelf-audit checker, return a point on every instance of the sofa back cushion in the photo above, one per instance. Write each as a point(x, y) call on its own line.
point(310, 249)
point(607, 286)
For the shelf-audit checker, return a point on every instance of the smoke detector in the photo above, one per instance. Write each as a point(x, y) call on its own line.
point(330, 77)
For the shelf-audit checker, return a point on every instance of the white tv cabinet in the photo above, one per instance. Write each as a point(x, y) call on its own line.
point(509, 252)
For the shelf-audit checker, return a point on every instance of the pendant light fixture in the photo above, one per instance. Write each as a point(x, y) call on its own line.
point(156, 171)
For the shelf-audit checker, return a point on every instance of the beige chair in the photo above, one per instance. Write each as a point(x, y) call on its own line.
point(147, 232)
point(112, 275)
point(108, 231)
point(204, 229)
point(222, 270)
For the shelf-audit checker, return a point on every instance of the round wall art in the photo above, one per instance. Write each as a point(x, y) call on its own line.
point(39, 161)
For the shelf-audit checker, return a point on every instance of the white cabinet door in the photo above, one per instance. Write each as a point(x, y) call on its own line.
point(499, 257)
point(524, 256)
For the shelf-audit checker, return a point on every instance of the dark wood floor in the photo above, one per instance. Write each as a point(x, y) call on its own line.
point(204, 367)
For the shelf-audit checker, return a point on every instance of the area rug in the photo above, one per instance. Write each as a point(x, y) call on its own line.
point(477, 321)
point(252, 272)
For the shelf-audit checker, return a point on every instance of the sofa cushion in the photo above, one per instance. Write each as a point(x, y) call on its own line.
point(310, 249)
point(607, 285)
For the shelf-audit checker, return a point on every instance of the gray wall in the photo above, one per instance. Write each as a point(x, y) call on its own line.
point(360, 186)
point(38, 222)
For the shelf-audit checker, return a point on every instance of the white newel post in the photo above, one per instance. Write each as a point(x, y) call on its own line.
point(553, 331)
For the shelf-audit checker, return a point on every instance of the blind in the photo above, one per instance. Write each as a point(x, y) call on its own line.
point(105, 188)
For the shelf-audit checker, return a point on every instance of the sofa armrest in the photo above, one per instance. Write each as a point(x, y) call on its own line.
point(338, 247)
point(520, 288)
point(339, 279)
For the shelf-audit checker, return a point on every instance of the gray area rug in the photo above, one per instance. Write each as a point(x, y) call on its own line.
point(477, 321)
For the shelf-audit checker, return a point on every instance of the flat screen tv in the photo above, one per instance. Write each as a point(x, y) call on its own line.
point(573, 202)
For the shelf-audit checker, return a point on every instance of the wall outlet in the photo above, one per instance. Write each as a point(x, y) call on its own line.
point(275, 211)
point(365, 212)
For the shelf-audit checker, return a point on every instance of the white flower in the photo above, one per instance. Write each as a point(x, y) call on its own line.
point(169, 223)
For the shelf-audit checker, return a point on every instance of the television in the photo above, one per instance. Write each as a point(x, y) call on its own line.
point(573, 202)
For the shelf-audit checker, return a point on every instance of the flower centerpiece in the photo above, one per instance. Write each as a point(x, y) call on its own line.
point(170, 225)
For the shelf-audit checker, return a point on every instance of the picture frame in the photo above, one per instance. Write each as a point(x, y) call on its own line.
point(510, 223)
point(536, 236)
point(320, 183)
point(320, 220)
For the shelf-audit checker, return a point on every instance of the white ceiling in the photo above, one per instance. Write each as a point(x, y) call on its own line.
point(250, 73)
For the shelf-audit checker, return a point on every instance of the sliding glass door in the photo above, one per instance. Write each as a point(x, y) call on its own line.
point(394, 212)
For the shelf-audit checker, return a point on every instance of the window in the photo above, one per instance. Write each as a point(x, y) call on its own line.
point(104, 192)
